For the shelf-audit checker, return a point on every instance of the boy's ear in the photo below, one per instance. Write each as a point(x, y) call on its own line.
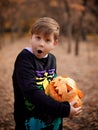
point(55, 42)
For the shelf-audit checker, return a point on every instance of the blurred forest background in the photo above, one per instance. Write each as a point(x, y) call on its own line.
point(78, 18)
point(77, 52)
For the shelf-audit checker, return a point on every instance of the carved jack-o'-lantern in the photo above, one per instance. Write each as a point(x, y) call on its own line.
point(64, 89)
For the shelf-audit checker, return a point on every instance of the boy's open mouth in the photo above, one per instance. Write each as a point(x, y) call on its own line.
point(39, 51)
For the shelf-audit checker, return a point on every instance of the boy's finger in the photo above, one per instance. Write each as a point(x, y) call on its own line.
point(78, 111)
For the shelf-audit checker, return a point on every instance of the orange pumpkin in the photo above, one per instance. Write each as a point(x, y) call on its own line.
point(64, 89)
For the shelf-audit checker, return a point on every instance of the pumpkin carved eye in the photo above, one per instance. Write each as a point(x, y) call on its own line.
point(69, 88)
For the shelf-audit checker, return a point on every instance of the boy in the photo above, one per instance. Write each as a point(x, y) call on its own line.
point(34, 68)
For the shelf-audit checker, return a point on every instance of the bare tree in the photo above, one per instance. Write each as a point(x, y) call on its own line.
point(69, 23)
point(80, 27)
point(3, 5)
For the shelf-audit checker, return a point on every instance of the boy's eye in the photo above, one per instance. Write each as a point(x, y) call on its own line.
point(38, 37)
point(48, 40)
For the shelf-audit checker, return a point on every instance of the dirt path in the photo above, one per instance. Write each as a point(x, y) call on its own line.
point(83, 69)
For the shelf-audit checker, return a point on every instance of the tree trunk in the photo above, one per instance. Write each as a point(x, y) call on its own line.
point(80, 28)
point(1, 31)
point(69, 25)
point(69, 30)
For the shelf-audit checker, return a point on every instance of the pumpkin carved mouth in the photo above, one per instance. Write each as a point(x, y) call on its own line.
point(64, 89)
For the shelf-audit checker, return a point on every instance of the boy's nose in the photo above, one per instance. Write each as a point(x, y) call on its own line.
point(42, 43)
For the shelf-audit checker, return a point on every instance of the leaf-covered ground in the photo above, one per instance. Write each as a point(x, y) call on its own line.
point(83, 69)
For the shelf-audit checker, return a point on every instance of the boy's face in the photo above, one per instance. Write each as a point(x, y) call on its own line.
point(42, 45)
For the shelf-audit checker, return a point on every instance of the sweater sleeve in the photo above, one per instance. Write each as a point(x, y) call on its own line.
point(25, 78)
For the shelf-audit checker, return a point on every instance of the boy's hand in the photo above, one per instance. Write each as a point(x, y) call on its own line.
point(74, 111)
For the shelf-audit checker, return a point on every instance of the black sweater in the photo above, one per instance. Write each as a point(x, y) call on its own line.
point(30, 78)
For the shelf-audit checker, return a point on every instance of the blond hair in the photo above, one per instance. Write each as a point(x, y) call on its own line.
point(46, 26)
